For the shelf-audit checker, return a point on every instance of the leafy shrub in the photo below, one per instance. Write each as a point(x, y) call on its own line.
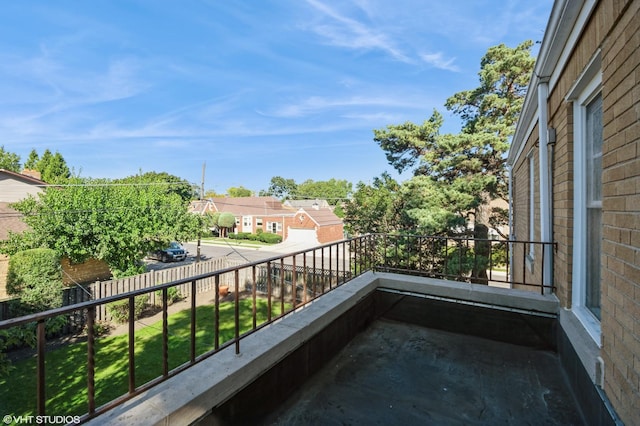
point(35, 276)
point(173, 295)
point(268, 238)
point(100, 328)
point(240, 236)
point(119, 310)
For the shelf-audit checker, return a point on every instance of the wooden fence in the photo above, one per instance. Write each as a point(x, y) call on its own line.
point(102, 289)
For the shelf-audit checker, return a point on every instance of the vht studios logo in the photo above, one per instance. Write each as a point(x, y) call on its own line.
point(40, 420)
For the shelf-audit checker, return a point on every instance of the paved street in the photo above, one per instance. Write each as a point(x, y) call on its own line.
point(245, 253)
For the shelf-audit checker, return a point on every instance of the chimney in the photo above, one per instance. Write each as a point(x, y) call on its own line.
point(32, 173)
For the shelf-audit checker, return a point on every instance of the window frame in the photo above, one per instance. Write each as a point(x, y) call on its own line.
point(587, 88)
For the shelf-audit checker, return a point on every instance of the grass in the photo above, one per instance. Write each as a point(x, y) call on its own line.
point(66, 367)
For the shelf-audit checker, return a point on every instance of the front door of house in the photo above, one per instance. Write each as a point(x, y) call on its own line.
point(246, 224)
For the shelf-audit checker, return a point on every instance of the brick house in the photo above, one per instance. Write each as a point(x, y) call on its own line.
point(270, 215)
point(575, 180)
point(316, 223)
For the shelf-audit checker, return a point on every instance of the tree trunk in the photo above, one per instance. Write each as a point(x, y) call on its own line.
point(482, 250)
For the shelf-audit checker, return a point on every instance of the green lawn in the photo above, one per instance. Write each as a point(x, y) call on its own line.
point(66, 369)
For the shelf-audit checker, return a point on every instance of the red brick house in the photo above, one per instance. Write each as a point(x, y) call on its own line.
point(315, 224)
point(575, 179)
point(270, 215)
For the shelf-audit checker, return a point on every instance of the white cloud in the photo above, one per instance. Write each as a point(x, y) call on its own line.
point(437, 60)
point(343, 31)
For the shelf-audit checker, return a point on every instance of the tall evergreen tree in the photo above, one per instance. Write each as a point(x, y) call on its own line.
point(9, 160)
point(470, 165)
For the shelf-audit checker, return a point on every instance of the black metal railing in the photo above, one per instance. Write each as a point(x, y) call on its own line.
point(284, 284)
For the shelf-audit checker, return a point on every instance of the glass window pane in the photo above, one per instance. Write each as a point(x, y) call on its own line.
point(594, 150)
point(594, 199)
point(594, 230)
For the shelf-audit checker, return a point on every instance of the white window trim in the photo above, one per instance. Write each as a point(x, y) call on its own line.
point(586, 89)
point(532, 208)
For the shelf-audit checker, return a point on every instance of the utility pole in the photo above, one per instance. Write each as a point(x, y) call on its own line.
point(204, 166)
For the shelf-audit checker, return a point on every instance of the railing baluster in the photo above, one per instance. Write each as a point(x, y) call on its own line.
point(269, 291)
point(41, 383)
point(294, 284)
point(337, 265)
point(322, 267)
point(91, 359)
point(314, 279)
point(165, 332)
point(253, 296)
point(304, 277)
point(282, 288)
point(236, 282)
point(216, 330)
point(192, 337)
point(132, 349)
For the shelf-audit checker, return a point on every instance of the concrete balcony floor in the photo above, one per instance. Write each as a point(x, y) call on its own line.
point(399, 373)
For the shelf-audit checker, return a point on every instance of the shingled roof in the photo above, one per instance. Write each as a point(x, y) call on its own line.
point(10, 220)
point(251, 206)
point(323, 217)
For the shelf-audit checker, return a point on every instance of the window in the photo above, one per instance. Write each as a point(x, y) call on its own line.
point(259, 221)
point(532, 208)
point(593, 205)
point(274, 227)
point(587, 233)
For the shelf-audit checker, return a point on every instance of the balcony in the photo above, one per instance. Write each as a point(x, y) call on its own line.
point(378, 328)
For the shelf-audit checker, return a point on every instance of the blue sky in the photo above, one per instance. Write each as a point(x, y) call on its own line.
point(255, 89)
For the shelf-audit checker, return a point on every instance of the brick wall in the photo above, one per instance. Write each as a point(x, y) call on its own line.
point(525, 270)
point(614, 28)
point(621, 205)
point(86, 272)
point(328, 234)
point(4, 268)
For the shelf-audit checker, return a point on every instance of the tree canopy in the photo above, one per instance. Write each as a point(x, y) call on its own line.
point(281, 188)
point(9, 160)
point(467, 170)
point(106, 220)
point(169, 184)
point(52, 167)
point(239, 191)
point(332, 190)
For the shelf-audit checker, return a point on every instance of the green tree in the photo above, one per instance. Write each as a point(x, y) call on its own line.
point(332, 190)
point(35, 276)
point(373, 208)
point(169, 184)
point(239, 191)
point(226, 222)
point(106, 220)
point(52, 167)
point(210, 193)
point(281, 188)
point(9, 160)
point(470, 165)
point(32, 161)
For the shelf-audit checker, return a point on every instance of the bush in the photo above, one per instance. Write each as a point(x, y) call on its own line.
point(268, 238)
point(35, 276)
point(173, 295)
point(119, 310)
point(100, 328)
point(240, 236)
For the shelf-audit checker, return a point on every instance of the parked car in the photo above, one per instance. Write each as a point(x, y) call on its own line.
point(175, 252)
